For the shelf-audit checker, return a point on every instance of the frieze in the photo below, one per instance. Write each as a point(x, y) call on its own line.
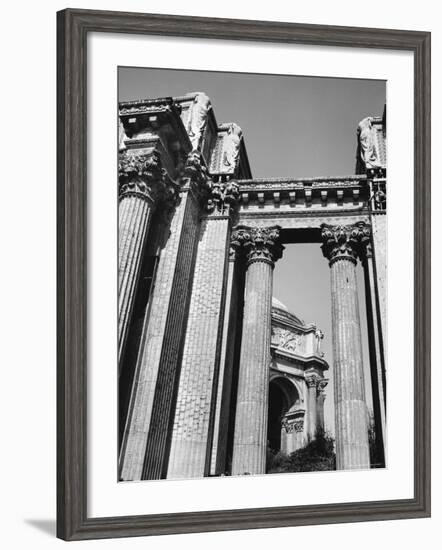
point(286, 339)
point(292, 426)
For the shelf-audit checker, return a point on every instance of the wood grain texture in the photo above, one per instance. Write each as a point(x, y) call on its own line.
point(72, 29)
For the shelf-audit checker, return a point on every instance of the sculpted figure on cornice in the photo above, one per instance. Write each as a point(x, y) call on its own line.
point(121, 136)
point(319, 335)
point(198, 118)
point(367, 148)
point(231, 145)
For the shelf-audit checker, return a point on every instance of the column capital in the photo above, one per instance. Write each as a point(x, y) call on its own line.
point(312, 380)
point(143, 175)
point(195, 175)
point(260, 244)
point(223, 198)
point(344, 242)
point(322, 384)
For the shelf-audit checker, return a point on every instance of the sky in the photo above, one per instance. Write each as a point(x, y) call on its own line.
point(293, 126)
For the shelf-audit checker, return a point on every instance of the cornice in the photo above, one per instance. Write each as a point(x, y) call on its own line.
point(309, 361)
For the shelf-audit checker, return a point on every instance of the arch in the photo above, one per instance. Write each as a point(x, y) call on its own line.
point(283, 397)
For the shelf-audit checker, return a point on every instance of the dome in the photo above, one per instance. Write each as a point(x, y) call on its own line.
point(278, 305)
point(285, 312)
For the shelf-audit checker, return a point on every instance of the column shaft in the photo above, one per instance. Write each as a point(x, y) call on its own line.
point(312, 409)
point(135, 214)
point(223, 399)
point(144, 445)
point(352, 451)
point(377, 369)
point(194, 415)
point(250, 437)
point(320, 425)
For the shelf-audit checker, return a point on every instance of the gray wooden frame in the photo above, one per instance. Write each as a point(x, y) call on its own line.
point(72, 29)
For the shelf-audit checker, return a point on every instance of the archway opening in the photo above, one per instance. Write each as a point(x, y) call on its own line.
point(277, 408)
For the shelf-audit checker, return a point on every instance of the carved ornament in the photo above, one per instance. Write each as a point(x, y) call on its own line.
point(344, 242)
point(223, 197)
point(260, 244)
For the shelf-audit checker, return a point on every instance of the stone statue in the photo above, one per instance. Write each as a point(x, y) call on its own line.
point(232, 144)
point(121, 136)
point(367, 148)
point(319, 335)
point(198, 119)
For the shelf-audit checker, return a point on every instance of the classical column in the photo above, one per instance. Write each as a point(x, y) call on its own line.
point(192, 432)
point(262, 248)
point(142, 184)
point(341, 245)
point(223, 398)
point(311, 380)
point(377, 365)
point(144, 447)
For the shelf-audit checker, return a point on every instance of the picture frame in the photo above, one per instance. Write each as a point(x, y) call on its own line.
point(73, 27)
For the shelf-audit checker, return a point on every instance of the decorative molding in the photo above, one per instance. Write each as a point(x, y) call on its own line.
point(344, 242)
point(148, 106)
point(260, 244)
point(294, 426)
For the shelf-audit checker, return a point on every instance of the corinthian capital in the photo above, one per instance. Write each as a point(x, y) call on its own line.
point(260, 244)
point(223, 198)
point(141, 175)
point(322, 384)
point(312, 380)
point(195, 175)
point(344, 242)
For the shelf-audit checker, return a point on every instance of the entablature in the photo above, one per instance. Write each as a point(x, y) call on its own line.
point(311, 193)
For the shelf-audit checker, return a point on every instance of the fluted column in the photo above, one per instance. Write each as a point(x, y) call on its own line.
point(377, 361)
point(143, 453)
point(262, 249)
point(192, 433)
point(342, 244)
point(223, 398)
point(142, 185)
point(312, 416)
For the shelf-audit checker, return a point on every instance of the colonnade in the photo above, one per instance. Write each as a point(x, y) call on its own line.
point(175, 400)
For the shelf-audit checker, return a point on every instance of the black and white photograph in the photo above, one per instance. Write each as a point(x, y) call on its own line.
point(252, 274)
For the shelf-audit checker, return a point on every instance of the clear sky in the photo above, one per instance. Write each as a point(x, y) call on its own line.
point(293, 126)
